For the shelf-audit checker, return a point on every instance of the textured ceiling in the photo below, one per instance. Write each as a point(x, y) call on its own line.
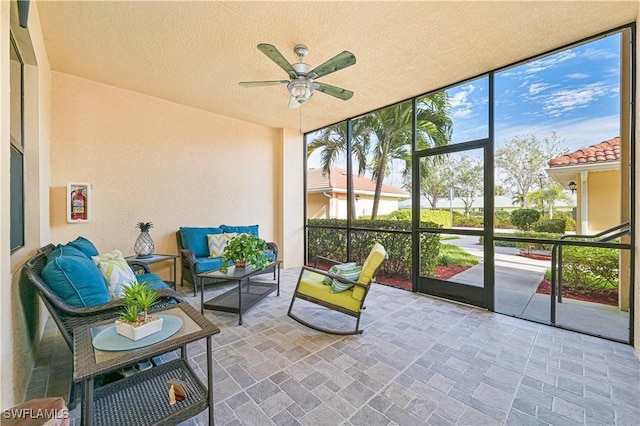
point(195, 53)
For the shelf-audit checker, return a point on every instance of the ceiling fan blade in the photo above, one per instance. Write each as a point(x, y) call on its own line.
point(341, 60)
point(293, 103)
point(275, 55)
point(337, 92)
point(262, 83)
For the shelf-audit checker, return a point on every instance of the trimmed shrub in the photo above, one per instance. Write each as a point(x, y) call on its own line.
point(524, 218)
point(470, 222)
point(439, 217)
point(569, 221)
point(556, 226)
point(501, 220)
point(527, 247)
point(332, 243)
point(589, 269)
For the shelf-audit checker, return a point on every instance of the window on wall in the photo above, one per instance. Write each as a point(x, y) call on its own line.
point(17, 149)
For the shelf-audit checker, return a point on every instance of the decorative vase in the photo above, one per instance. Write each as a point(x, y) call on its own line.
point(144, 246)
point(138, 331)
point(240, 264)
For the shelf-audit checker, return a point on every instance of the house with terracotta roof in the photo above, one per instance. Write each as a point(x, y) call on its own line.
point(595, 175)
point(603, 194)
point(327, 195)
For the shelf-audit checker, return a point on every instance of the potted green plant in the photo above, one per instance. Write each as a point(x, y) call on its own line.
point(243, 249)
point(134, 322)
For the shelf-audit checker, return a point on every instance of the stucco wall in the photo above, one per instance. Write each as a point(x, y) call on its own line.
point(20, 319)
point(153, 160)
point(604, 200)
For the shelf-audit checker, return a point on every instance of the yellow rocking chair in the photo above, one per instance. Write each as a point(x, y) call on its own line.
point(310, 287)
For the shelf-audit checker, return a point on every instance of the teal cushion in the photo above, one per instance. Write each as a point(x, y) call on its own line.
point(270, 256)
point(195, 239)
point(205, 264)
point(76, 280)
point(84, 245)
point(154, 281)
point(251, 229)
point(64, 250)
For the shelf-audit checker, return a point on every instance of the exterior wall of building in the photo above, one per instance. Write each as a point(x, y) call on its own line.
point(20, 318)
point(603, 200)
point(317, 206)
point(155, 161)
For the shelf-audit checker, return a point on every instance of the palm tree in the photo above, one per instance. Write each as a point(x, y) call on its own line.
point(385, 135)
point(392, 130)
point(551, 194)
point(333, 142)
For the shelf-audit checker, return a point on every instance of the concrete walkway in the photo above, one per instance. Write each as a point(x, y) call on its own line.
point(516, 280)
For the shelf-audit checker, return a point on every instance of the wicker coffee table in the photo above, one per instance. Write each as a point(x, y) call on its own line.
point(142, 399)
point(245, 296)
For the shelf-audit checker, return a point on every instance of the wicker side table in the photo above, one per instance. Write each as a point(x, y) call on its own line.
point(142, 399)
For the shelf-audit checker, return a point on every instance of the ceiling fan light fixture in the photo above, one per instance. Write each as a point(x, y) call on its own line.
point(301, 90)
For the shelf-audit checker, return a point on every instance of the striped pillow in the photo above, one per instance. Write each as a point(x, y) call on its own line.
point(217, 243)
point(336, 269)
point(351, 272)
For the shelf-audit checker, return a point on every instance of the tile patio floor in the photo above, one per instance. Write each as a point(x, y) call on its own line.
point(421, 360)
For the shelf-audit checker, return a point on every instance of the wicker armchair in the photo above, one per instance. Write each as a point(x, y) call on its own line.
point(188, 260)
point(68, 317)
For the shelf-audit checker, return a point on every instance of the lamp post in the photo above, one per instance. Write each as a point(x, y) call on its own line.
point(541, 180)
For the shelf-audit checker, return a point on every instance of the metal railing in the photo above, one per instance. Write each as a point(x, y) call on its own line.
point(556, 256)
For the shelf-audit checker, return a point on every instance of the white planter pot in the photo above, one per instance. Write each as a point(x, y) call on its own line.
point(137, 333)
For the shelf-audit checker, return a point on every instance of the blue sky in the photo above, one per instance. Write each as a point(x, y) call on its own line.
point(574, 93)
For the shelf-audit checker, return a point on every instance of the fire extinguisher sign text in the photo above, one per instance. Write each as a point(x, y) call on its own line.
point(78, 202)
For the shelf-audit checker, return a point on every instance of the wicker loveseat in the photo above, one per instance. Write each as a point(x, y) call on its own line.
point(68, 316)
point(194, 252)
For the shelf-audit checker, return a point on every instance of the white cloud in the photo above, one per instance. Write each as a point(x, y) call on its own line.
point(549, 62)
point(578, 75)
point(536, 88)
point(597, 54)
point(566, 100)
point(578, 133)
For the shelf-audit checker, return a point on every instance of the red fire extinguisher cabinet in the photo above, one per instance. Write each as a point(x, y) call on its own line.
point(78, 202)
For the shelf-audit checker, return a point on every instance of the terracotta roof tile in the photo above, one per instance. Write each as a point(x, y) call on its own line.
point(604, 151)
point(337, 179)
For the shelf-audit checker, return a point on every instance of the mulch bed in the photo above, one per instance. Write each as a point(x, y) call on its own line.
point(607, 297)
point(401, 281)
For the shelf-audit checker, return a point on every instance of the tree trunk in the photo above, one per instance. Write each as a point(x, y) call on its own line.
point(382, 168)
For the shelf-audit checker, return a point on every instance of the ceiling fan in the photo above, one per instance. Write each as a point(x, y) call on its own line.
point(301, 83)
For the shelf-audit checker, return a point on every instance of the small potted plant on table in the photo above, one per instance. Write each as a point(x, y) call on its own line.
point(134, 322)
point(243, 249)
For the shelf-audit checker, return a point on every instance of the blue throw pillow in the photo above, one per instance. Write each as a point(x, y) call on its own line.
point(76, 280)
point(85, 246)
point(64, 250)
point(195, 239)
point(251, 229)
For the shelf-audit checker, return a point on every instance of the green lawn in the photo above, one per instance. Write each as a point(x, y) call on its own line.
point(454, 255)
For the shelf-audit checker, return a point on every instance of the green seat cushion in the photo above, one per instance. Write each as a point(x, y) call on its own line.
point(76, 280)
point(311, 285)
point(377, 255)
point(195, 239)
point(251, 229)
point(85, 246)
